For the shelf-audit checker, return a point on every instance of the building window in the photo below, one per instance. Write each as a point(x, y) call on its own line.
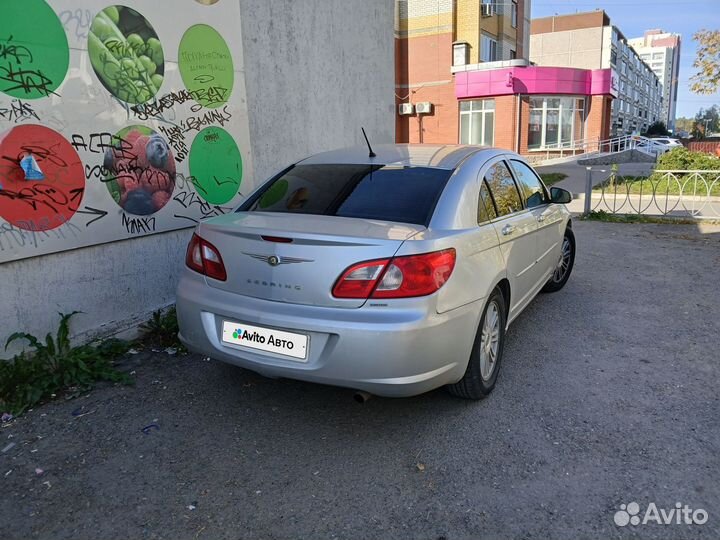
point(613, 56)
point(477, 122)
point(513, 14)
point(488, 49)
point(658, 56)
point(513, 54)
point(555, 122)
point(488, 8)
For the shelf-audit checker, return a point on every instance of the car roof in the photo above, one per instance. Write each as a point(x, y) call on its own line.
point(439, 156)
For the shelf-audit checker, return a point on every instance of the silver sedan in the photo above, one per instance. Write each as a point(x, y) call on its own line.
point(392, 274)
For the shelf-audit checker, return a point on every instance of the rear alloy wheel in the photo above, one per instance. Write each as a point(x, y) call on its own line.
point(564, 266)
point(484, 363)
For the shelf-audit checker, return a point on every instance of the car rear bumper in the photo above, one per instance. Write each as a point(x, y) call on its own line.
point(397, 350)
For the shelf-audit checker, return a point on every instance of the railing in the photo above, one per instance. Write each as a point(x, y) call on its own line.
point(672, 193)
point(595, 146)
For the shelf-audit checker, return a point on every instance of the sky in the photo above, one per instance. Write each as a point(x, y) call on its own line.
point(633, 17)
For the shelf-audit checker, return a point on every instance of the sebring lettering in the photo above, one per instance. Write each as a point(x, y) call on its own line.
point(274, 284)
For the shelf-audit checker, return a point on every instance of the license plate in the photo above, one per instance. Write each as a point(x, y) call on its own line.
point(266, 339)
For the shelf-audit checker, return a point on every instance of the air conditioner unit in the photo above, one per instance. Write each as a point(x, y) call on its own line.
point(405, 109)
point(424, 107)
point(488, 10)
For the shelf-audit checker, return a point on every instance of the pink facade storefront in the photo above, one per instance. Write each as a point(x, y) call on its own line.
point(535, 108)
point(535, 80)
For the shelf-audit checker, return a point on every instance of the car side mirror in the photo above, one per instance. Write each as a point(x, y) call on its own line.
point(560, 195)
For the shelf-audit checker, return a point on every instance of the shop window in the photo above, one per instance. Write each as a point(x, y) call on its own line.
point(477, 122)
point(555, 122)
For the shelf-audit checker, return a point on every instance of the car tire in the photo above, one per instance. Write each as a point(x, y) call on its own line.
point(480, 376)
point(565, 264)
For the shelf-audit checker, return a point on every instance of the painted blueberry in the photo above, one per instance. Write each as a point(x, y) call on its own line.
point(109, 160)
point(157, 152)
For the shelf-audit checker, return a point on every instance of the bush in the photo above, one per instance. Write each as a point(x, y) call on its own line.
point(682, 159)
point(53, 366)
point(162, 329)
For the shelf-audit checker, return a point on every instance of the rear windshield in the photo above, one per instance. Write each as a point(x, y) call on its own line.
point(388, 193)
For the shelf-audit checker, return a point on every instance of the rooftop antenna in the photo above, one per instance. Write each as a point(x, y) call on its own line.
point(371, 154)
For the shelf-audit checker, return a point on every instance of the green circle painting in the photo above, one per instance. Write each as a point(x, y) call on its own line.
point(34, 49)
point(215, 165)
point(206, 66)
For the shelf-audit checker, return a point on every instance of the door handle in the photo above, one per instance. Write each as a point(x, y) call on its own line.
point(508, 229)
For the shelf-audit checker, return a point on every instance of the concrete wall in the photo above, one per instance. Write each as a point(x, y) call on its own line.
point(569, 48)
point(316, 71)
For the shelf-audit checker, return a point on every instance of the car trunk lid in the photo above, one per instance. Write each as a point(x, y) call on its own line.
point(296, 258)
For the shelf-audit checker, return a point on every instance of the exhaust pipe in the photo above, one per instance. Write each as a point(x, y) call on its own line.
point(361, 397)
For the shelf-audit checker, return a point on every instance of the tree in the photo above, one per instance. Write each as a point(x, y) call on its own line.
point(657, 129)
point(684, 124)
point(706, 121)
point(707, 61)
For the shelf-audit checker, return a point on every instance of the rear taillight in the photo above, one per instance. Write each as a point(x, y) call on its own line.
point(399, 277)
point(359, 280)
point(204, 258)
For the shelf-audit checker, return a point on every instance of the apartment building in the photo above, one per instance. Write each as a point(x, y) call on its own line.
point(589, 40)
point(661, 51)
point(463, 76)
point(435, 39)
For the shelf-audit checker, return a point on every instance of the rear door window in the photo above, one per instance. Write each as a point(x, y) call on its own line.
point(387, 193)
point(486, 206)
point(503, 189)
point(533, 190)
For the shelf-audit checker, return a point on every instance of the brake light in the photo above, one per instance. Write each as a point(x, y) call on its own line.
point(279, 239)
point(204, 258)
point(400, 277)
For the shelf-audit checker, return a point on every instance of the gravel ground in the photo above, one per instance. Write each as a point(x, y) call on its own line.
point(608, 395)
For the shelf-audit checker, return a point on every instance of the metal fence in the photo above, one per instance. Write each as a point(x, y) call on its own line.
point(686, 194)
point(595, 146)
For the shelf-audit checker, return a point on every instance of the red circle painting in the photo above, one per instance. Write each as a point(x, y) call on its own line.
point(42, 179)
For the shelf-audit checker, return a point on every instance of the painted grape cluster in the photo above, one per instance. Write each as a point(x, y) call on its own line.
point(126, 54)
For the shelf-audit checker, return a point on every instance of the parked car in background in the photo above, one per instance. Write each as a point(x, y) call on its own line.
point(658, 145)
point(667, 141)
point(392, 273)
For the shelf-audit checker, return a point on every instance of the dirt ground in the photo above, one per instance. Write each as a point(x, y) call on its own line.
point(608, 395)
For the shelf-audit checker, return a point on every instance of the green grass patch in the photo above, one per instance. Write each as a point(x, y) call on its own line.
point(53, 366)
point(552, 178)
point(608, 217)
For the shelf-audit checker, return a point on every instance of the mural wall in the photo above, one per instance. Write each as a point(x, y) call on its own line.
point(117, 120)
